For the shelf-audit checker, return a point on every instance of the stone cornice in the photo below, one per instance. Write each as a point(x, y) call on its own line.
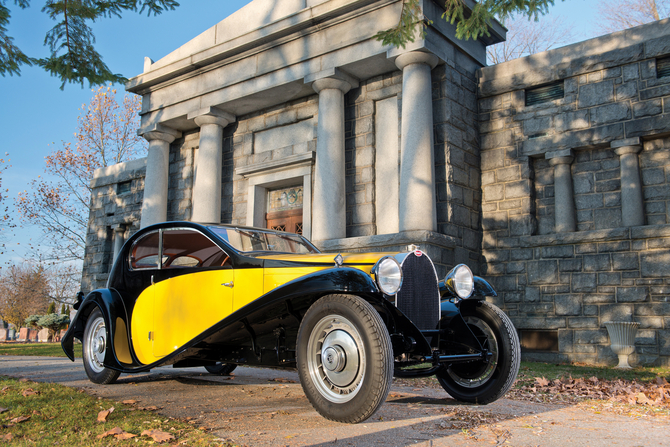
point(264, 168)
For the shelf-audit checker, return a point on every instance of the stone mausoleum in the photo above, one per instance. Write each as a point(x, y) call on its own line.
point(548, 175)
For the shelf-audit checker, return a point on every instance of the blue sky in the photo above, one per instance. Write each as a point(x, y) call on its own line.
point(36, 116)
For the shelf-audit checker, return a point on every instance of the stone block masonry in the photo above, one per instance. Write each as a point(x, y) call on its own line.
point(116, 203)
point(571, 248)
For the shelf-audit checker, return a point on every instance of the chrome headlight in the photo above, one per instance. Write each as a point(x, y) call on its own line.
point(388, 275)
point(460, 281)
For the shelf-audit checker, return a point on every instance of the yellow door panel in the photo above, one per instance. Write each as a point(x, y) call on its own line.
point(141, 325)
point(279, 276)
point(187, 305)
point(121, 342)
point(248, 287)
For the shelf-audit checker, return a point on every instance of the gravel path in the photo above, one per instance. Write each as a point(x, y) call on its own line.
point(263, 407)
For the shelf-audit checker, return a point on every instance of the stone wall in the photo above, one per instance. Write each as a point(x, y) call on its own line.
point(110, 208)
point(569, 283)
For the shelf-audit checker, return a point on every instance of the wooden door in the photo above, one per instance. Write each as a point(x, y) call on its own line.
point(287, 220)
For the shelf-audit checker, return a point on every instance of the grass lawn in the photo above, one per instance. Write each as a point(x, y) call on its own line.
point(45, 414)
point(43, 349)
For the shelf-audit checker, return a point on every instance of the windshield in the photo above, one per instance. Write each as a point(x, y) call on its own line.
point(251, 240)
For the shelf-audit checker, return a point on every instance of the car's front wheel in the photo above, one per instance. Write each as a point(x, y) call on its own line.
point(94, 348)
point(345, 358)
point(483, 382)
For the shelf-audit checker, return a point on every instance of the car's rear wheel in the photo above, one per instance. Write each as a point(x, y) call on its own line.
point(94, 349)
point(483, 382)
point(221, 369)
point(345, 358)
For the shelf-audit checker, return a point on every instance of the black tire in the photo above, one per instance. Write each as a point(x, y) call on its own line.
point(348, 333)
point(221, 369)
point(484, 382)
point(94, 348)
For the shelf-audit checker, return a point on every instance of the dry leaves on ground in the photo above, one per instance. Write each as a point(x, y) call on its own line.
point(281, 380)
point(567, 389)
point(118, 433)
point(102, 416)
point(19, 419)
point(464, 419)
point(158, 435)
point(29, 392)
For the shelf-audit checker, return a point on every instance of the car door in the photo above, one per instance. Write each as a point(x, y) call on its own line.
point(197, 292)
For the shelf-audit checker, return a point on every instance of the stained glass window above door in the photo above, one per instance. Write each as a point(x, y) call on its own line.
point(285, 199)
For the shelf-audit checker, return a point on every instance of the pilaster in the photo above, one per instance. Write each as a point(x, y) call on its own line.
point(564, 201)
point(632, 203)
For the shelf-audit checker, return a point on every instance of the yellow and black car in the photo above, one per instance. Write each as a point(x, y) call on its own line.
point(218, 296)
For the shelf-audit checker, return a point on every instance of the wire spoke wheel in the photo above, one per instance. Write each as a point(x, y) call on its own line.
point(467, 377)
point(483, 382)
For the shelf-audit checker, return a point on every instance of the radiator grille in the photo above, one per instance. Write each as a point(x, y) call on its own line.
point(419, 296)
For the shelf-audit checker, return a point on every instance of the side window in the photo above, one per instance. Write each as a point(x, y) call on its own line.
point(189, 248)
point(144, 254)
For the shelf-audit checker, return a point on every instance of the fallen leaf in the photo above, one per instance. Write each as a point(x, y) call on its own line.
point(158, 435)
point(5, 388)
point(8, 437)
point(113, 432)
point(29, 392)
point(129, 402)
point(642, 399)
point(2, 410)
point(149, 408)
point(19, 419)
point(541, 381)
point(102, 416)
point(125, 435)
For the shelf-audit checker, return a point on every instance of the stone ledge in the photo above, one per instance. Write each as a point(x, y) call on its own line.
point(119, 172)
point(268, 166)
point(614, 234)
point(642, 42)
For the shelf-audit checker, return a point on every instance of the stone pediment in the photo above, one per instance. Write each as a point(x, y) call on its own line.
point(253, 16)
point(269, 51)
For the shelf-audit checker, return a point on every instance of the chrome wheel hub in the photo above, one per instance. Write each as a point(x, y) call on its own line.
point(336, 358)
point(96, 345)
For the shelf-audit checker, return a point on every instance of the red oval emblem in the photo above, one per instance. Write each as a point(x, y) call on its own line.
point(418, 253)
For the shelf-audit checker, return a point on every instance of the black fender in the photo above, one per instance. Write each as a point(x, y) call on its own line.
point(482, 289)
point(458, 337)
point(110, 303)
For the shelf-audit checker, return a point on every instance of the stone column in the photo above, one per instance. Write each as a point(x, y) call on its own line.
point(119, 231)
point(329, 201)
point(206, 197)
point(564, 200)
point(417, 208)
point(632, 202)
point(154, 203)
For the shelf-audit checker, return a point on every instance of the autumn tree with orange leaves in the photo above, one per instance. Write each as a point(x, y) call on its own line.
point(59, 203)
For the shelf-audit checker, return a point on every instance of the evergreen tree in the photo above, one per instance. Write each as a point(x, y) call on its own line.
point(73, 57)
point(470, 23)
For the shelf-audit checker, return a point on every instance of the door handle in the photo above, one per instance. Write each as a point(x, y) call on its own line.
point(228, 284)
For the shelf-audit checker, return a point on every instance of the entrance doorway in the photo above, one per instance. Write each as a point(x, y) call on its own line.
point(285, 210)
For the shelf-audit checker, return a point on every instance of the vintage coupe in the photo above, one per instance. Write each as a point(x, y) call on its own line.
point(218, 296)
